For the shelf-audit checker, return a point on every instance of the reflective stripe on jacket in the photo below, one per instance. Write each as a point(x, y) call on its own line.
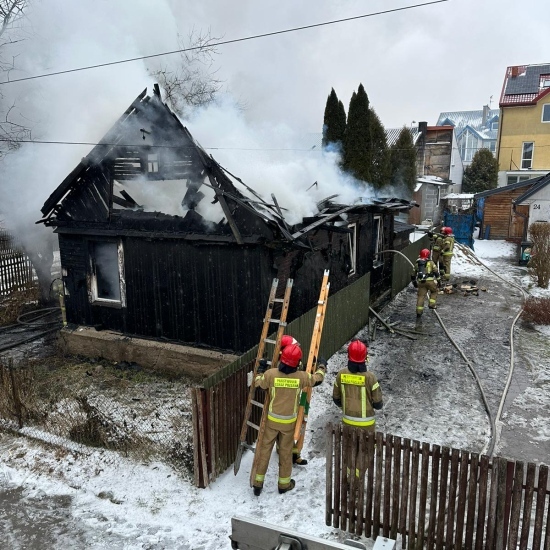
point(284, 392)
point(357, 392)
point(448, 245)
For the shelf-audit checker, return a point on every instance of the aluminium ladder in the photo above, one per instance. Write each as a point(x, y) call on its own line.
point(305, 398)
point(253, 404)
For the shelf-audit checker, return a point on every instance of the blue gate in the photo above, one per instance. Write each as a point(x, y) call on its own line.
point(463, 227)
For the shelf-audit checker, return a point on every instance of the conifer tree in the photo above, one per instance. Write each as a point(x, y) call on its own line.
point(334, 123)
point(357, 157)
point(482, 174)
point(380, 154)
point(403, 161)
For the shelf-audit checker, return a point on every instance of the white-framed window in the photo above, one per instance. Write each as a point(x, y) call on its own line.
point(107, 283)
point(516, 179)
point(492, 146)
point(352, 244)
point(545, 113)
point(379, 240)
point(527, 155)
point(468, 145)
point(494, 125)
point(153, 163)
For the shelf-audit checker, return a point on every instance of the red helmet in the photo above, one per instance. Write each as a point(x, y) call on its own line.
point(447, 230)
point(287, 340)
point(424, 254)
point(291, 355)
point(357, 351)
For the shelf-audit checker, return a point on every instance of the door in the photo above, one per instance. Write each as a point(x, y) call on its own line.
point(518, 219)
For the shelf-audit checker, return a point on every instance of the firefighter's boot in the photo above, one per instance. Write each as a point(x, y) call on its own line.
point(290, 486)
point(257, 490)
point(297, 459)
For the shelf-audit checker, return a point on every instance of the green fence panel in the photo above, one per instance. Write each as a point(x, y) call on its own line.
point(401, 269)
point(347, 312)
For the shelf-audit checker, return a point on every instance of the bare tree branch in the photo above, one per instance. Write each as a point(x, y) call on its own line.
point(11, 14)
point(194, 82)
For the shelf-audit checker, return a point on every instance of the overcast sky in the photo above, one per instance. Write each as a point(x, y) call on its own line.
point(413, 64)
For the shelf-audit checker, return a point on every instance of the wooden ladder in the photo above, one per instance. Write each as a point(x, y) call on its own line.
point(305, 398)
point(254, 404)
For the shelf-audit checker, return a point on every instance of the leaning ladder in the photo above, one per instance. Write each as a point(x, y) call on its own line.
point(305, 398)
point(252, 403)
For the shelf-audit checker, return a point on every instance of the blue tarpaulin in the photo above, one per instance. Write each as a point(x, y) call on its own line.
point(463, 227)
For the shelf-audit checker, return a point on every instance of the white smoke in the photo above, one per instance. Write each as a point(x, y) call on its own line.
point(273, 159)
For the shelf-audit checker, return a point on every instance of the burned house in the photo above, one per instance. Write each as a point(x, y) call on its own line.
point(196, 269)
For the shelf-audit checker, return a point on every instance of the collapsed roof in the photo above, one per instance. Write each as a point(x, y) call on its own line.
point(130, 178)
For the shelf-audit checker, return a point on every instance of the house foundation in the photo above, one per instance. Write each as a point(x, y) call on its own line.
point(167, 358)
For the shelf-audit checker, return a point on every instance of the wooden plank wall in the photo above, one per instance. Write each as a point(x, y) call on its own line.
point(435, 497)
point(497, 213)
point(16, 271)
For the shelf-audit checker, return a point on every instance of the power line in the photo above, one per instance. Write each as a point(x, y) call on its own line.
point(313, 149)
point(224, 42)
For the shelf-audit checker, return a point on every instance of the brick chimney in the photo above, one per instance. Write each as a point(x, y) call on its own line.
point(515, 71)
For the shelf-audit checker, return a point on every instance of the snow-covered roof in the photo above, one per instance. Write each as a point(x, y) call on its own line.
point(433, 180)
point(464, 196)
point(472, 120)
point(392, 134)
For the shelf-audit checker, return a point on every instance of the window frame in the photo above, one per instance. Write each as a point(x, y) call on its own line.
point(352, 244)
point(379, 241)
point(153, 163)
point(92, 287)
point(542, 113)
point(523, 159)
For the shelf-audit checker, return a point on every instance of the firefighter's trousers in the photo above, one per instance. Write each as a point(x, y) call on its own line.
point(436, 256)
point(284, 433)
point(426, 288)
point(445, 260)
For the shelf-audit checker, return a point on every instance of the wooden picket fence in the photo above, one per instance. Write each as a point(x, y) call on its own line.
point(435, 497)
point(16, 271)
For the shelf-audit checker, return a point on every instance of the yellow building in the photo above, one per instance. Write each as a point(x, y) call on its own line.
point(523, 146)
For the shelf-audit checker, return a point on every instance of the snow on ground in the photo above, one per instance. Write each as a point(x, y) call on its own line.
point(57, 498)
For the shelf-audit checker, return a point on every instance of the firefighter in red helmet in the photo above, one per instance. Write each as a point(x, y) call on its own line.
point(425, 278)
point(285, 384)
point(356, 390)
point(447, 253)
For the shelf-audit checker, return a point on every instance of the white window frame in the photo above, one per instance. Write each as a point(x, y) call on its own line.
point(352, 243)
point(379, 242)
point(94, 294)
point(494, 125)
point(545, 107)
point(152, 163)
point(523, 159)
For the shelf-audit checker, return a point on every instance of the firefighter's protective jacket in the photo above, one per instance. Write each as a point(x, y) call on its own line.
point(285, 390)
point(437, 242)
point(357, 391)
point(448, 245)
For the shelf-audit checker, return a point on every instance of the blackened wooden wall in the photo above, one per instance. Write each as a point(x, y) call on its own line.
point(213, 295)
point(216, 294)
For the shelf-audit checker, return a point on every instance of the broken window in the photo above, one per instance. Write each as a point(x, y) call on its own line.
point(378, 229)
point(107, 277)
point(153, 163)
point(352, 245)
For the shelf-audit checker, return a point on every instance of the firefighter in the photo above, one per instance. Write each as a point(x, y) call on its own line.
point(285, 385)
point(447, 253)
point(287, 340)
point(436, 240)
point(356, 390)
point(426, 279)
